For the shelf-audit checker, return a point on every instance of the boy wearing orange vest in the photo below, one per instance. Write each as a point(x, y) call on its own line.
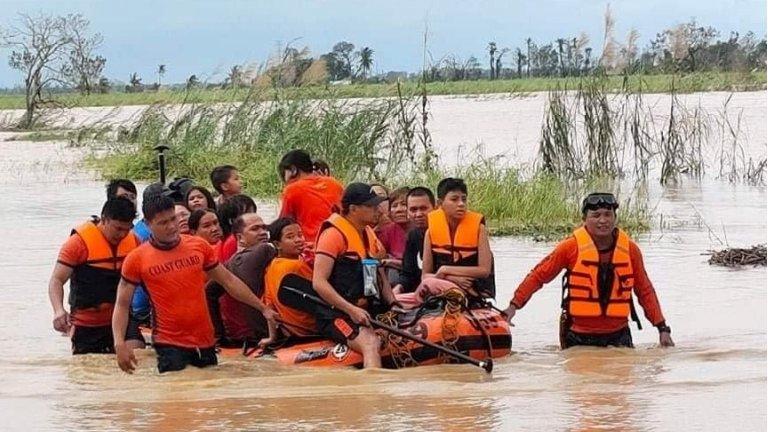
point(456, 246)
point(603, 268)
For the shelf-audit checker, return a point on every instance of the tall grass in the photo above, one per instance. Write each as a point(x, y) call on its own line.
point(384, 140)
point(588, 132)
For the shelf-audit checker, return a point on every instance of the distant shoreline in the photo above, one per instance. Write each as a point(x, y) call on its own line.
point(689, 83)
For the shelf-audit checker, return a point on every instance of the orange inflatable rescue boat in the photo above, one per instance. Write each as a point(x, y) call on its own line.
point(480, 333)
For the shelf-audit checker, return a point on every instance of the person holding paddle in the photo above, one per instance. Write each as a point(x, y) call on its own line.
point(345, 275)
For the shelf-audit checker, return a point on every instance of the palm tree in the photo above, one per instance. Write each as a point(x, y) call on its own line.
point(528, 57)
point(235, 77)
point(160, 73)
point(366, 61)
point(492, 52)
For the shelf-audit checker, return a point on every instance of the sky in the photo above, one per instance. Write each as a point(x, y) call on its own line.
point(207, 37)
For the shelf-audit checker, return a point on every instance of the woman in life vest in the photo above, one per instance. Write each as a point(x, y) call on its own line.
point(288, 269)
point(604, 267)
point(457, 252)
point(347, 278)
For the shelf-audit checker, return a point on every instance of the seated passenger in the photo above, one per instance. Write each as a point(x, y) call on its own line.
point(205, 224)
point(457, 252)
point(393, 234)
point(288, 269)
point(419, 202)
point(229, 211)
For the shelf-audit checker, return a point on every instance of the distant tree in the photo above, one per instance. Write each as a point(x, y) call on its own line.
point(234, 77)
point(39, 48)
point(342, 52)
point(365, 56)
point(561, 64)
point(103, 86)
point(528, 56)
point(492, 53)
point(134, 84)
point(192, 82)
point(160, 73)
point(498, 61)
point(317, 73)
point(84, 67)
point(520, 61)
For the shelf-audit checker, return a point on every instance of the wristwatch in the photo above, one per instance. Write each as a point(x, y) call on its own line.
point(663, 328)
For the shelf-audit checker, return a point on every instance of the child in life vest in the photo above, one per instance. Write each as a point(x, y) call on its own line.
point(457, 253)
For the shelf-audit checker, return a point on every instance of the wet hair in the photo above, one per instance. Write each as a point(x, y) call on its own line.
point(231, 209)
point(421, 191)
point(277, 226)
point(155, 205)
point(299, 159)
point(113, 185)
point(119, 209)
point(450, 184)
point(221, 174)
point(321, 167)
point(206, 193)
point(399, 193)
point(196, 216)
point(239, 224)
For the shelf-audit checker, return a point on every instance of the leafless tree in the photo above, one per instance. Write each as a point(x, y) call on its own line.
point(40, 46)
point(84, 68)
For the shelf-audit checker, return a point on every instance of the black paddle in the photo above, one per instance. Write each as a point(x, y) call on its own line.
point(486, 364)
point(161, 160)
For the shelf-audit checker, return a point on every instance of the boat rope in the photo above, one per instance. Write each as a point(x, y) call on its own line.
point(397, 345)
point(455, 301)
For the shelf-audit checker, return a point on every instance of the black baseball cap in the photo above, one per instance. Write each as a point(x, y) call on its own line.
point(155, 189)
point(361, 194)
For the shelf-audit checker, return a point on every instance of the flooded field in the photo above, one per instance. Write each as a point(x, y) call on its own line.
point(715, 379)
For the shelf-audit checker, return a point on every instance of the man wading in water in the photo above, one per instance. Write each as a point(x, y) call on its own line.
point(174, 269)
point(603, 267)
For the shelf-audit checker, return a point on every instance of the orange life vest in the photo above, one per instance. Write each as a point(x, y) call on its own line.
point(298, 322)
point(95, 281)
point(464, 243)
point(582, 281)
point(347, 274)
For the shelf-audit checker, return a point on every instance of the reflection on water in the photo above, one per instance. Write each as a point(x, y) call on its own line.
point(714, 380)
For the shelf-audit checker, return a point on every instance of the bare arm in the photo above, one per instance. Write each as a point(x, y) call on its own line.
point(427, 265)
point(59, 277)
point(125, 291)
point(242, 293)
point(484, 260)
point(125, 358)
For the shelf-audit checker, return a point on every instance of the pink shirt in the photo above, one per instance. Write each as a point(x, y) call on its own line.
point(393, 238)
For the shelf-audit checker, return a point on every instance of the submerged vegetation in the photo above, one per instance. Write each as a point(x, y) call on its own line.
point(593, 132)
point(735, 257)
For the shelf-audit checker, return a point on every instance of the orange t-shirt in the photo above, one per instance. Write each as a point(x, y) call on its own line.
point(563, 257)
point(299, 323)
point(73, 253)
point(310, 201)
point(175, 282)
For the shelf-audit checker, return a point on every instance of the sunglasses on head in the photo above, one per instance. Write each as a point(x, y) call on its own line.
point(599, 200)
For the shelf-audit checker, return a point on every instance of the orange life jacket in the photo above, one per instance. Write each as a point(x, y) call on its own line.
point(464, 243)
point(95, 281)
point(347, 274)
point(582, 281)
point(462, 249)
point(286, 271)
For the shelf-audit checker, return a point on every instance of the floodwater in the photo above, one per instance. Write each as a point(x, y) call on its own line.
point(714, 379)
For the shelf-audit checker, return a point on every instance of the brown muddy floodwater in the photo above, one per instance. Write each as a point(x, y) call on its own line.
point(715, 379)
